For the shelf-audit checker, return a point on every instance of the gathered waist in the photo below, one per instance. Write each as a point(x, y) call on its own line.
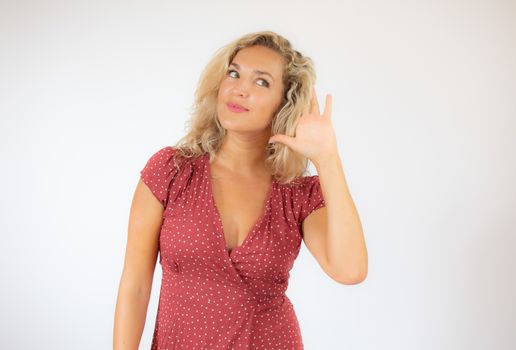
point(217, 294)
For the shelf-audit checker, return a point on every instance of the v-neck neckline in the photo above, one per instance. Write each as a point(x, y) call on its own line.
point(221, 234)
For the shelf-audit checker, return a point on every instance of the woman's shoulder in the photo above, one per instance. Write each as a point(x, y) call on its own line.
point(301, 182)
point(165, 171)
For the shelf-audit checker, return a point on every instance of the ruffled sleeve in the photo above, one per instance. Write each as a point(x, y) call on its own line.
point(310, 197)
point(159, 173)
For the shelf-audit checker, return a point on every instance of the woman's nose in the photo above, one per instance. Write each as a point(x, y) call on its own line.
point(241, 88)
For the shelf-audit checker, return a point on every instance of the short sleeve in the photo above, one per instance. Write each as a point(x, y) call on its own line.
point(158, 173)
point(311, 197)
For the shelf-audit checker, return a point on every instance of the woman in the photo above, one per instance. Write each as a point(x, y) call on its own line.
point(227, 210)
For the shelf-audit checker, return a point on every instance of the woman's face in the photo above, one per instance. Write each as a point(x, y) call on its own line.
point(254, 81)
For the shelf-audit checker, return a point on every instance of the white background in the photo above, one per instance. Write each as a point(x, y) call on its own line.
point(424, 106)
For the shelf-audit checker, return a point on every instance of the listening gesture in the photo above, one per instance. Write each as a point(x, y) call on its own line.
point(315, 138)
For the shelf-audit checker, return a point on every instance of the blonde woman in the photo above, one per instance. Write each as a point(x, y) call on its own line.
point(227, 209)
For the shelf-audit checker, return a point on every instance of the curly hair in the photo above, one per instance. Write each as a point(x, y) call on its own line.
point(204, 131)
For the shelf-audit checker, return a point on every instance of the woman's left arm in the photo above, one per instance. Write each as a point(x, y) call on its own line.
point(346, 254)
point(345, 244)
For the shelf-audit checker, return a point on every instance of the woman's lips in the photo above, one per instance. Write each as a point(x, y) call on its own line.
point(236, 108)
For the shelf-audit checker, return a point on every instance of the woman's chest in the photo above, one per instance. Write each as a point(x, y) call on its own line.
point(240, 206)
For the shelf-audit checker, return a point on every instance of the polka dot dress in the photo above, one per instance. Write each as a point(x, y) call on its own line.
point(212, 298)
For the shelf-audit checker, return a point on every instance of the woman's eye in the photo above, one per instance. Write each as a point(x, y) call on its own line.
point(266, 83)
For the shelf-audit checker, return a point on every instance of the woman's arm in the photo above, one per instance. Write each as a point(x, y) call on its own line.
point(346, 250)
point(135, 287)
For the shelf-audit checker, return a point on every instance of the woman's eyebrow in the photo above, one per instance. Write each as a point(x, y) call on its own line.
point(255, 71)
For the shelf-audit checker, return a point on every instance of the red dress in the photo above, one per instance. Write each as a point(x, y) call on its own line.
point(211, 298)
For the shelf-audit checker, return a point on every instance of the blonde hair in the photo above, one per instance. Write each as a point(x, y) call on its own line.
point(205, 134)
